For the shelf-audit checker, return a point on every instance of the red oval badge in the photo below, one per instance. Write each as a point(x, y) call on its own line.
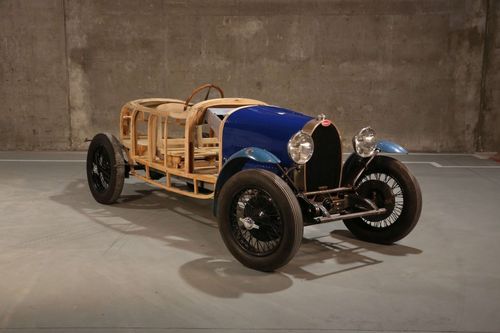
point(326, 122)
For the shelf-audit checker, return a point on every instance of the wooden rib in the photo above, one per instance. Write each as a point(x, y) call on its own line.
point(176, 141)
point(165, 143)
point(208, 141)
point(208, 167)
point(199, 134)
point(152, 130)
point(133, 135)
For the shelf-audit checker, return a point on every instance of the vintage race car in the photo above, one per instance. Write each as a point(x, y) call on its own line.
point(269, 171)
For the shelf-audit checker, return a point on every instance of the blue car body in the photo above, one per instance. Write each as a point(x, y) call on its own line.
point(261, 126)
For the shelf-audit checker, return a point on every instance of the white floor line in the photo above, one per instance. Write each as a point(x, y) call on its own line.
point(478, 156)
point(42, 161)
point(437, 165)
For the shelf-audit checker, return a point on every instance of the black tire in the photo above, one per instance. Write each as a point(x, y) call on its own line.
point(402, 215)
point(105, 168)
point(281, 235)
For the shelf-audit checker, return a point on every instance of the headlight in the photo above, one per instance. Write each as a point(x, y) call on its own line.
point(364, 142)
point(300, 147)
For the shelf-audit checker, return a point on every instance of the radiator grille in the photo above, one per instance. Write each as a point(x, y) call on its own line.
point(324, 168)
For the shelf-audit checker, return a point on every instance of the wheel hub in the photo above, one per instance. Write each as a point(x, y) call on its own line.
point(248, 223)
point(379, 193)
point(257, 212)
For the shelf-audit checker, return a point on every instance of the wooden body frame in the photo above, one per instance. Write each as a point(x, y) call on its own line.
point(193, 158)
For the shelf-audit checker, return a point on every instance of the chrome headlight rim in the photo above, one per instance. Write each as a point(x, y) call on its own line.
point(365, 142)
point(300, 147)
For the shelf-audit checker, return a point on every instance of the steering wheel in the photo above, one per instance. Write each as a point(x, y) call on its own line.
point(200, 88)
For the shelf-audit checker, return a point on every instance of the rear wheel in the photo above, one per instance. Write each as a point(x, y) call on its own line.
point(389, 184)
point(260, 219)
point(105, 168)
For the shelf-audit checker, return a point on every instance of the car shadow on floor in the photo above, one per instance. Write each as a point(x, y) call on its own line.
point(341, 248)
point(141, 211)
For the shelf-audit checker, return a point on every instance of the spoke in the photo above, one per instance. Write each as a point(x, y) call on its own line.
point(397, 210)
point(104, 171)
point(95, 169)
point(102, 179)
point(259, 246)
point(386, 178)
point(254, 244)
point(96, 157)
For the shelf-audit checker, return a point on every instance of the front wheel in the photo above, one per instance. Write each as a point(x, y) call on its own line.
point(390, 185)
point(260, 219)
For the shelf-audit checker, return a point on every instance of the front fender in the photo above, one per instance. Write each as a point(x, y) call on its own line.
point(387, 146)
point(352, 166)
point(239, 160)
point(355, 163)
point(255, 154)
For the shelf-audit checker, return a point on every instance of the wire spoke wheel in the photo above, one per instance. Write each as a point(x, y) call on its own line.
point(385, 192)
point(256, 223)
point(260, 219)
point(388, 184)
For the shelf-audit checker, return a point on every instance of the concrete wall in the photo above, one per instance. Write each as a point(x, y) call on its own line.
point(413, 70)
point(488, 129)
point(33, 73)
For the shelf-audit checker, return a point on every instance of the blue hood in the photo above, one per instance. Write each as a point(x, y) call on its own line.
point(261, 126)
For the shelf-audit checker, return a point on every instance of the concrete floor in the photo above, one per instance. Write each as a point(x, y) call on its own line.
point(155, 262)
